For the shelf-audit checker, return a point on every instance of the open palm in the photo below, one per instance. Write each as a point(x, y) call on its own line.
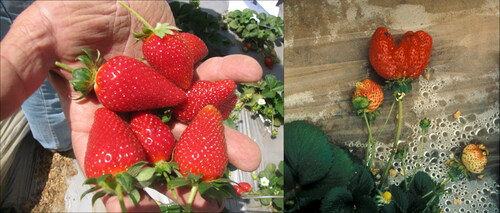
point(70, 26)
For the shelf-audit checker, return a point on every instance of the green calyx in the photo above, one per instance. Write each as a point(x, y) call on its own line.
point(425, 124)
point(160, 30)
point(84, 77)
point(399, 86)
point(360, 105)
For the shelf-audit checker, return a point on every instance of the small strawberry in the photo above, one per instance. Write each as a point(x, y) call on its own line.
point(269, 63)
point(112, 146)
point(245, 186)
point(196, 45)
point(124, 84)
point(239, 189)
point(371, 91)
point(202, 147)
point(408, 59)
point(155, 136)
point(474, 157)
point(219, 94)
point(167, 51)
point(248, 45)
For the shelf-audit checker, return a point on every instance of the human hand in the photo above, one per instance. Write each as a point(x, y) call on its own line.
point(62, 30)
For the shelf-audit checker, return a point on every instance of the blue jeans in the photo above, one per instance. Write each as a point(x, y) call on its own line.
point(46, 118)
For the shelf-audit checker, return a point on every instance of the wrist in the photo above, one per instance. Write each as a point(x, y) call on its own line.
point(27, 54)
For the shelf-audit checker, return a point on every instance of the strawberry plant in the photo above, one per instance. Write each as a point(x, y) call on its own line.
point(259, 32)
point(271, 183)
point(265, 98)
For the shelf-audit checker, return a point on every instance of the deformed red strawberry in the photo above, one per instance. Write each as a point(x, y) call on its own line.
point(202, 147)
point(371, 91)
point(154, 135)
point(219, 94)
point(112, 146)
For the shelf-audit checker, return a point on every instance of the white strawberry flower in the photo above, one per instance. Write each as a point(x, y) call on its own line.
point(264, 181)
point(261, 101)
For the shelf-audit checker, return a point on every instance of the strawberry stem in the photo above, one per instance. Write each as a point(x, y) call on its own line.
point(370, 145)
point(64, 66)
point(137, 15)
point(396, 140)
point(119, 193)
point(192, 194)
point(420, 149)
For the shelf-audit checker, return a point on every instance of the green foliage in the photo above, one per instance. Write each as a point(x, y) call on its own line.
point(273, 187)
point(190, 18)
point(259, 31)
point(264, 98)
point(316, 166)
point(315, 163)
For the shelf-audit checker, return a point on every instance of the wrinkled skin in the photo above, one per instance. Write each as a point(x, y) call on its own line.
point(57, 31)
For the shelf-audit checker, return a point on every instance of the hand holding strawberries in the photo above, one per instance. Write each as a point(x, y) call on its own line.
point(63, 30)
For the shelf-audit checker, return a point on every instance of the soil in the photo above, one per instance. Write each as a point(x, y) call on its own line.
point(51, 173)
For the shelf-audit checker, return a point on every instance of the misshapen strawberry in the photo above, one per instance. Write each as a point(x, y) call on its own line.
point(219, 94)
point(155, 136)
point(371, 91)
point(202, 147)
point(408, 59)
point(112, 146)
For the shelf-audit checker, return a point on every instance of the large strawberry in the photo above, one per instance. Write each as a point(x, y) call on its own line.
point(219, 94)
point(408, 59)
point(154, 135)
point(125, 84)
point(202, 147)
point(112, 146)
point(167, 51)
point(198, 48)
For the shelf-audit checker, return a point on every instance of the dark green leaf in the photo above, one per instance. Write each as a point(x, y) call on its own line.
point(307, 151)
point(422, 184)
point(90, 180)
point(362, 181)
point(400, 198)
point(338, 199)
point(365, 204)
point(177, 182)
point(135, 196)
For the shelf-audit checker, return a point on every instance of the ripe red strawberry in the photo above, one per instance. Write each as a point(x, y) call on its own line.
point(372, 91)
point(269, 63)
point(474, 157)
point(167, 51)
point(155, 136)
point(124, 84)
point(239, 190)
point(112, 146)
point(202, 147)
point(196, 45)
point(248, 45)
point(408, 59)
point(245, 186)
point(219, 94)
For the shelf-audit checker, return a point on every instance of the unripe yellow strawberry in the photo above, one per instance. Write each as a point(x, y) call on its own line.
point(474, 157)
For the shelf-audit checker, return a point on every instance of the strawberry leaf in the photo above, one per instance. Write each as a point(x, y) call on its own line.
point(91, 180)
point(135, 196)
point(178, 182)
point(337, 200)
point(361, 182)
point(125, 180)
point(136, 168)
point(313, 164)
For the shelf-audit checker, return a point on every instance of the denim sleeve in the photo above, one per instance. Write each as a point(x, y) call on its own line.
point(43, 109)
